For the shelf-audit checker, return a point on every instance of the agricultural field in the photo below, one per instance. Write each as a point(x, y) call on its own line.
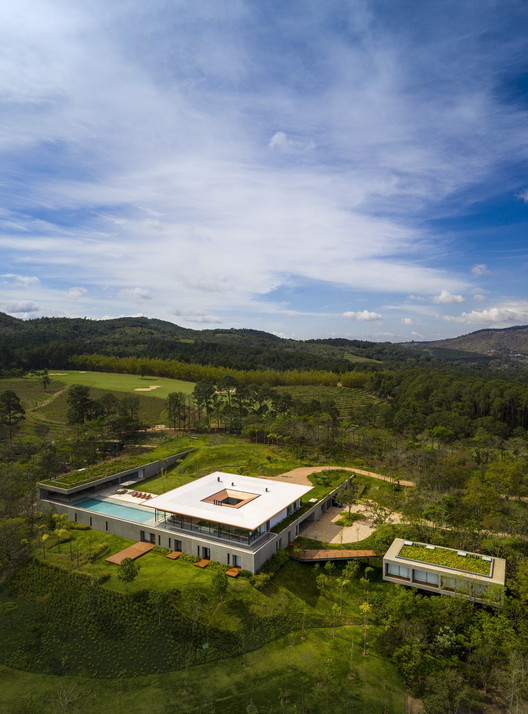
point(346, 399)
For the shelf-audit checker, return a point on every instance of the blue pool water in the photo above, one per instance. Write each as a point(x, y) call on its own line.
point(116, 509)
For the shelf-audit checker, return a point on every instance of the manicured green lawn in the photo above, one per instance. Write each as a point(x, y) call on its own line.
point(123, 382)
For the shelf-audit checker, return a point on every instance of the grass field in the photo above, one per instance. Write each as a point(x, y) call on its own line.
point(290, 675)
point(109, 381)
point(150, 410)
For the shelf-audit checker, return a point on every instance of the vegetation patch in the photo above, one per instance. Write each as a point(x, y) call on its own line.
point(114, 466)
point(348, 519)
point(471, 562)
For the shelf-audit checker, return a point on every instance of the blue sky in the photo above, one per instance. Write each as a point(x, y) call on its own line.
point(338, 168)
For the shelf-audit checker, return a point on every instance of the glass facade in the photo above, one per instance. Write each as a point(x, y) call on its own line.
point(422, 576)
point(211, 528)
point(397, 571)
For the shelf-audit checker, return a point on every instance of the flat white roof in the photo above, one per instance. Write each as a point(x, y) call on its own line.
point(272, 498)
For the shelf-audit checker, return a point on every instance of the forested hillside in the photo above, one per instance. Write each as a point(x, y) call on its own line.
point(51, 342)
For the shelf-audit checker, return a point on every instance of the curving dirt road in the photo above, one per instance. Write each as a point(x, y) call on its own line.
point(301, 474)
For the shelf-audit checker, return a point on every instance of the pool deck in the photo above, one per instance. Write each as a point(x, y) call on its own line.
point(132, 552)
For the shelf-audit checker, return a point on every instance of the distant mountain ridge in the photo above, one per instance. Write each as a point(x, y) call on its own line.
point(508, 342)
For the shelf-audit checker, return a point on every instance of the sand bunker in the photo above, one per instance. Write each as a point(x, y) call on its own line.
point(147, 389)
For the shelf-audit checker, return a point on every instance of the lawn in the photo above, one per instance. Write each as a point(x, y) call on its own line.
point(150, 408)
point(110, 381)
point(289, 675)
point(156, 571)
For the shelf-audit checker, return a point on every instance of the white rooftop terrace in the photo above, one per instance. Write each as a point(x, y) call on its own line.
point(253, 501)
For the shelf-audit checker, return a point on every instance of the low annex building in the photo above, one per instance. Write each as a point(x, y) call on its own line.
point(446, 571)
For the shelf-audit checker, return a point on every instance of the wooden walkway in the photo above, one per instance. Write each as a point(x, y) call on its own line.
point(133, 552)
point(313, 556)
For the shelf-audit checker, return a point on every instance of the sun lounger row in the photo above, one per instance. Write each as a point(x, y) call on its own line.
point(144, 496)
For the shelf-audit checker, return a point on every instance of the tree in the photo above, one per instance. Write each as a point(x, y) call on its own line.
point(175, 408)
point(219, 585)
point(44, 378)
point(128, 571)
point(203, 395)
point(11, 411)
point(347, 496)
point(80, 406)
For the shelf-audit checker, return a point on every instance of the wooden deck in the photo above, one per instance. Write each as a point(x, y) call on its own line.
point(174, 555)
point(202, 563)
point(133, 552)
point(317, 555)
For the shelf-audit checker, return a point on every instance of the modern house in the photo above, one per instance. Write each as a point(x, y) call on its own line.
point(446, 571)
point(225, 517)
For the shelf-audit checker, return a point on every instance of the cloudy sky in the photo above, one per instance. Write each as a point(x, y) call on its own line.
point(338, 168)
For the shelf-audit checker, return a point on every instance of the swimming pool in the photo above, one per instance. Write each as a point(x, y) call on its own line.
point(109, 508)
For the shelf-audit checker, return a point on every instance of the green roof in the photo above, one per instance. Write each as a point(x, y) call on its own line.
point(447, 557)
point(115, 466)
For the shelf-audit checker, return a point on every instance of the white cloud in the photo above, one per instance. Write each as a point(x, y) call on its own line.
point(174, 177)
point(447, 298)
point(283, 143)
point(363, 316)
point(24, 280)
point(197, 316)
point(509, 313)
point(76, 292)
point(136, 294)
point(17, 307)
point(407, 321)
point(480, 269)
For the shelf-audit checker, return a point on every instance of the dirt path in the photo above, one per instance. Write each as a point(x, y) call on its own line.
point(33, 412)
point(301, 474)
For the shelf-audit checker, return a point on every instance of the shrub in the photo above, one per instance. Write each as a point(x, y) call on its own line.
point(275, 563)
point(260, 581)
point(160, 550)
point(220, 567)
